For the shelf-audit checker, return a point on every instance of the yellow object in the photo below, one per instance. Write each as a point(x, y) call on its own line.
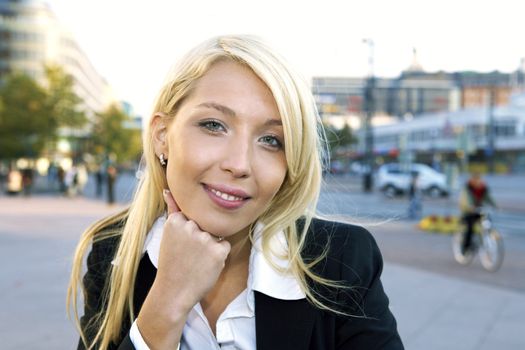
point(442, 224)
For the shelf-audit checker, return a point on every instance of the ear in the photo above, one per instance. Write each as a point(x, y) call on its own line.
point(159, 130)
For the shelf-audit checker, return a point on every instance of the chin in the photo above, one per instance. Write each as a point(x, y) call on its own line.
point(225, 229)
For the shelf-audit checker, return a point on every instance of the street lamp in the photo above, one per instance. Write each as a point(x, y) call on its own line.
point(369, 111)
point(491, 135)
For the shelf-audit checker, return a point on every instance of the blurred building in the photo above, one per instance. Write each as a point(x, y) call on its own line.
point(135, 121)
point(476, 88)
point(435, 118)
point(31, 37)
point(467, 136)
point(416, 92)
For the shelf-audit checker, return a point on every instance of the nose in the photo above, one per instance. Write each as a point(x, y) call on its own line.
point(237, 158)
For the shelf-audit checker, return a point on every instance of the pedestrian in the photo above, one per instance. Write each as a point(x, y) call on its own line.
point(15, 183)
point(111, 176)
point(52, 176)
point(71, 181)
point(82, 178)
point(3, 176)
point(415, 206)
point(99, 177)
point(220, 247)
point(27, 181)
point(61, 177)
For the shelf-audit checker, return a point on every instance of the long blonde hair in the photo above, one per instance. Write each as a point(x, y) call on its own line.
point(297, 197)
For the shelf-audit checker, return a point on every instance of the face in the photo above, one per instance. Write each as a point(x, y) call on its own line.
point(225, 150)
point(475, 180)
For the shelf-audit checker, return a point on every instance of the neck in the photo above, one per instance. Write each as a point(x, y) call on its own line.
point(240, 248)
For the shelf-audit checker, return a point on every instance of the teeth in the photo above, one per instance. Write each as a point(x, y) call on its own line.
point(225, 196)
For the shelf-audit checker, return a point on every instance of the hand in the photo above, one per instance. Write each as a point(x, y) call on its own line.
point(190, 262)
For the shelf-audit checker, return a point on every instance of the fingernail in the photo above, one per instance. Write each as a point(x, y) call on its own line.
point(165, 192)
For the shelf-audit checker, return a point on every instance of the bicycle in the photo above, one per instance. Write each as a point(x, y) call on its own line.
point(486, 241)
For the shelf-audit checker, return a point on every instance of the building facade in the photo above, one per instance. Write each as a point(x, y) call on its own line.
point(31, 37)
point(416, 92)
point(461, 117)
point(467, 136)
point(399, 97)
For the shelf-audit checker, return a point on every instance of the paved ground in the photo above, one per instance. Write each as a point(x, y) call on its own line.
point(38, 235)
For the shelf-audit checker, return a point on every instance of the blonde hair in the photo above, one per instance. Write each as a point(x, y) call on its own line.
point(304, 140)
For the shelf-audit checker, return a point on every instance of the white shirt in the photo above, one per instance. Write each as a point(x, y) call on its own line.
point(235, 327)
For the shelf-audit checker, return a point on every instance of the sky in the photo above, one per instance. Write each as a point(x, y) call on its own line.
point(133, 44)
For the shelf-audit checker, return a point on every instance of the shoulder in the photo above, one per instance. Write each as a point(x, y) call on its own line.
point(340, 238)
point(349, 251)
point(104, 246)
point(350, 255)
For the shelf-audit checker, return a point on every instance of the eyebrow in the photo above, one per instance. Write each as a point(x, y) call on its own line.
point(221, 108)
point(230, 112)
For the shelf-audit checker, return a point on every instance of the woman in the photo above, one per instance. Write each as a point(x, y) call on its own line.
point(219, 248)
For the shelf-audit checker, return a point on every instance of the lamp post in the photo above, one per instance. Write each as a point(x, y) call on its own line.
point(369, 111)
point(489, 150)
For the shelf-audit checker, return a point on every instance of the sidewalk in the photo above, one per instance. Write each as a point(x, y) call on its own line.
point(439, 313)
point(37, 237)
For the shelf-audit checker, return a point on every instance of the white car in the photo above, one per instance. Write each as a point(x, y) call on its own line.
point(394, 179)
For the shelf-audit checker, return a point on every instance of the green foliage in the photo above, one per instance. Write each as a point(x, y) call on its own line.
point(338, 138)
point(31, 115)
point(111, 136)
point(25, 118)
point(62, 100)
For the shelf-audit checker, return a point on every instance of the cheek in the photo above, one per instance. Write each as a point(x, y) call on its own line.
point(271, 177)
point(184, 164)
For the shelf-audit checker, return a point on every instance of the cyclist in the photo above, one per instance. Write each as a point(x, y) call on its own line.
point(474, 195)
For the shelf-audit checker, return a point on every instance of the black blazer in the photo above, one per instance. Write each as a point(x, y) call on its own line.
point(353, 257)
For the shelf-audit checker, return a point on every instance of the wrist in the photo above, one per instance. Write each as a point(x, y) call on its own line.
point(161, 320)
point(167, 303)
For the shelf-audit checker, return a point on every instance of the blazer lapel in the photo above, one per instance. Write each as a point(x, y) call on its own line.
point(283, 324)
point(143, 282)
point(279, 324)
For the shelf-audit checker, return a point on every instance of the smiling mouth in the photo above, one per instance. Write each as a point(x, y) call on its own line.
point(226, 196)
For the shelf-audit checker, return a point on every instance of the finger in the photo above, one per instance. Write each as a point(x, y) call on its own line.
point(170, 202)
point(226, 247)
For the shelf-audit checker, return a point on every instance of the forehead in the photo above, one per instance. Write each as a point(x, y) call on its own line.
point(236, 86)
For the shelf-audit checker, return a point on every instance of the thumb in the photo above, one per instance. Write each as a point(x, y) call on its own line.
point(170, 202)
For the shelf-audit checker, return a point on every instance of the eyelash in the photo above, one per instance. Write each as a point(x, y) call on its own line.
point(207, 124)
point(278, 144)
point(215, 127)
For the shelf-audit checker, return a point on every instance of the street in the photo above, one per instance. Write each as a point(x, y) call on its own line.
point(38, 236)
point(399, 238)
point(403, 243)
point(37, 241)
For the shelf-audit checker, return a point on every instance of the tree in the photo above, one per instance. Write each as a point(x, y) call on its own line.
point(338, 138)
point(112, 135)
point(25, 123)
point(31, 115)
point(64, 103)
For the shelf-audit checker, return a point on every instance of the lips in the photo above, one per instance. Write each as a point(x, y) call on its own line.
point(226, 197)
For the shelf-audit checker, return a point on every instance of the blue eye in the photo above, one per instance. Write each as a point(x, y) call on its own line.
point(272, 141)
point(212, 125)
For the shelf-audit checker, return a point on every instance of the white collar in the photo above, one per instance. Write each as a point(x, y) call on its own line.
point(262, 277)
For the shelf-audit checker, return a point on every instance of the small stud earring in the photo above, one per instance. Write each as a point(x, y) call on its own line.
point(163, 161)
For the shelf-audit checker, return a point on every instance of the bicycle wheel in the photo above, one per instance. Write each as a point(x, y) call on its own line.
point(492, 251)
point(462, 257)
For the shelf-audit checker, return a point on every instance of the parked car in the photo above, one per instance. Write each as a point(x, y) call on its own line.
point(394, 179)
